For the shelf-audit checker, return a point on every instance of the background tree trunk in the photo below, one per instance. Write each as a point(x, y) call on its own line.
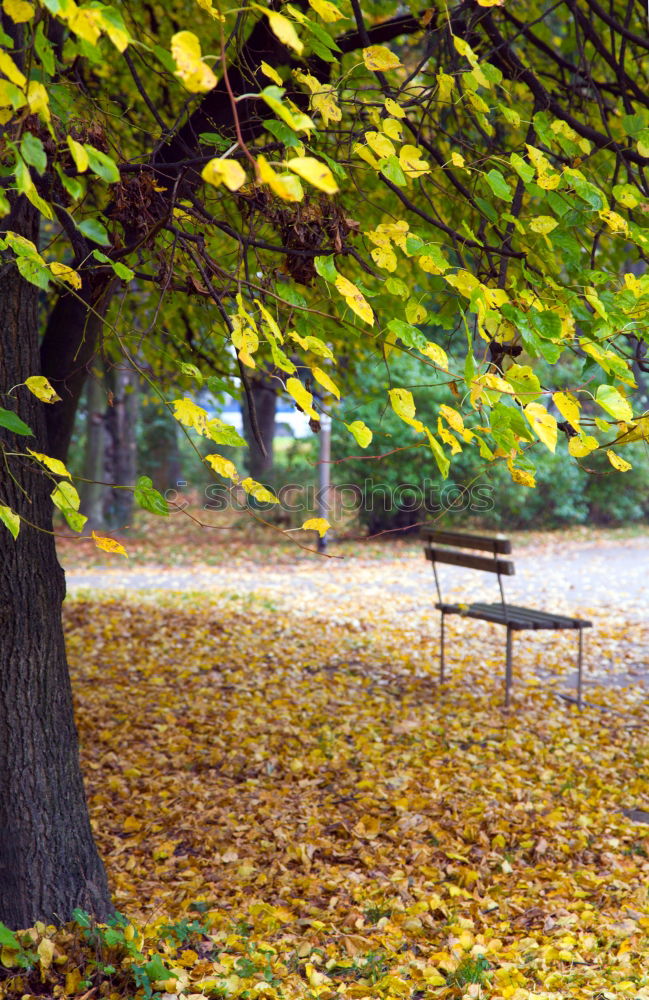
point(264, 397)
point(121, 451)
point(93, 492)
point(48, 859)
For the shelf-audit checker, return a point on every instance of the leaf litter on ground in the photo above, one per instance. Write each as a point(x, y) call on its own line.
point(289, 806)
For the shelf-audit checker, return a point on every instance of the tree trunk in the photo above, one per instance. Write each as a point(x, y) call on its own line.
point(93, 493)
point(264, 398)
point(48, 859)
point(67, 352)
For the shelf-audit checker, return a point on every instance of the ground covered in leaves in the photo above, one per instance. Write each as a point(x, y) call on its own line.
point(290, 807)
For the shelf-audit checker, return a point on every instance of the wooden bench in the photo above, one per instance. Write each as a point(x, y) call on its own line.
point(447, 547)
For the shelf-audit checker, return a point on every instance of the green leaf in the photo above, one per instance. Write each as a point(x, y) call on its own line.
point(122, 271)
point(102, 165)
point(12, 521)
point(613, 402)
point(95, 231)
point(34, 271)
point(499, 185)
point(13, 423)
point(282, 132)
point(156, 970)
point(215, 140)
point(547, 324)
point(524, 170)
point(391, 168)
point(7, 938)
point(33, 152)
point(147, 497)
point(326, 268)
point(44, 50)
point(408, 334)
point(222, 433)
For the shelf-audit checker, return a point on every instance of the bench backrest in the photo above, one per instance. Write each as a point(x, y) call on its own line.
point(446, 547)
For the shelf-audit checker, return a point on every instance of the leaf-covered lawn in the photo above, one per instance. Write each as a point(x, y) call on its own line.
point(290, 807)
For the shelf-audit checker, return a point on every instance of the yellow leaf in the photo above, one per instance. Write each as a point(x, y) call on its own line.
point(380, 58)
point(445, 84)
point(189, 414)
point(11, 71)
point(10, 519)
point(581, 446)
point(37, 100)
point(326, 382)
point(190, 68)
point(361, 433)
point(41, 388)
point(368, 827)
point(403, 404)
point(384, 257)
point(452, 418)
point(224, 171)
point(568, 407)
point(314, 172)
point(325, 102)
point(618, 463)
point(223, 466)
point(394, 109)
point(272, 74)
point(543, 224)
point(283, 29)
point(79, 154)
point(381, 144)
point(436, 354)
point(45, 951)
point(465, 282)
point(521, 476)
point(543, 424)
point(457, 159)
point(285, 186)
point(55, 465)
point(327, 10)
point(109, 545)
point(393, 128)
point(86, 23)
point(367, 155)
point(258, 491)
point(412, 162)
point(636, 431)
point(18, 10)
point(319, 524)
point(65, 273)
point(355, 299)
point(302, 397)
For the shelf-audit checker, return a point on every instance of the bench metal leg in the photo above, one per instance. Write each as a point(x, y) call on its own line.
point(508, 666)
point(580, 660)
point(441, 650)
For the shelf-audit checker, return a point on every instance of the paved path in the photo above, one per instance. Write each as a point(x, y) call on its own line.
point(585, 576)
point(605, 581)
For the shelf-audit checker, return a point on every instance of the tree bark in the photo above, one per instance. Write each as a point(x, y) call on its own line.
point(48, 859)
point(264, 398)
point(67, 351)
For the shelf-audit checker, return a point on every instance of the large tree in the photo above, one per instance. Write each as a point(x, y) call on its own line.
point(273, 187)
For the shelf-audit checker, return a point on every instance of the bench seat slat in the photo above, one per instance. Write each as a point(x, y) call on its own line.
point(456, 558)
point(465, 540)
point(517, 617)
